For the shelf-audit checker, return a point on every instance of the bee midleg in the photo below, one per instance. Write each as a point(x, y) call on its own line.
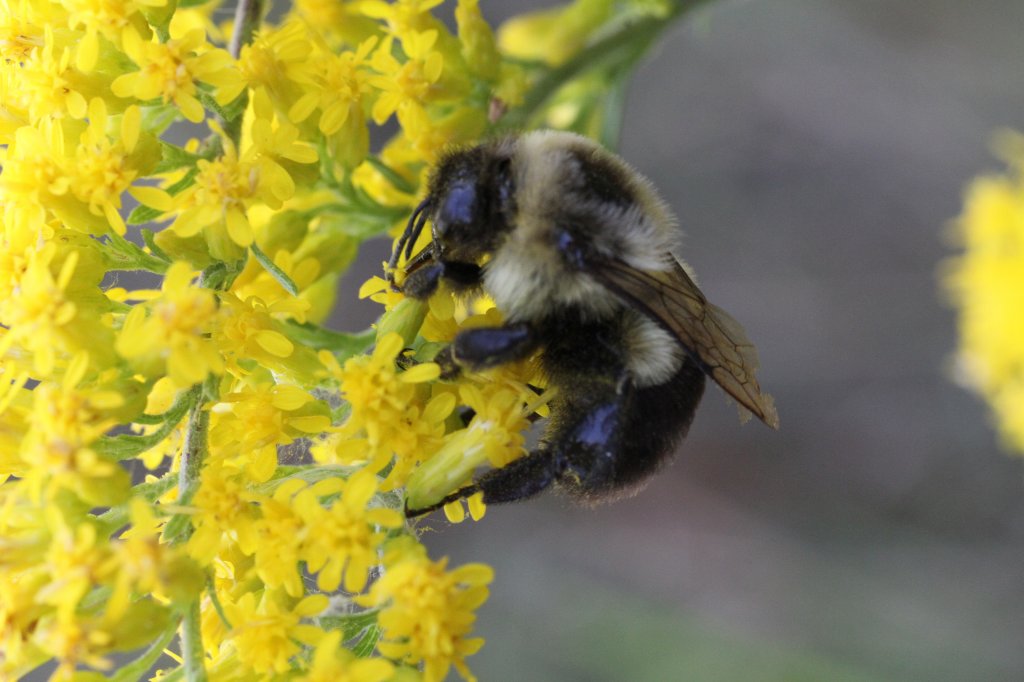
point(477, 349)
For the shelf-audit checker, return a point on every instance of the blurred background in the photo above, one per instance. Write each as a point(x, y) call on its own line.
point(815, 152)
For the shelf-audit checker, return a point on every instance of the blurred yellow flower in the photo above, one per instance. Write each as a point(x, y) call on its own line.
point(267, 631)
point(333, 663)
point(987, 283)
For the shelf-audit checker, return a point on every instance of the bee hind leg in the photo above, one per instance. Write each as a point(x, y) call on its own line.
point(518, 480)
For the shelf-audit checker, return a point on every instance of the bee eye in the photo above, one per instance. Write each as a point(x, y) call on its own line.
point(459, 205)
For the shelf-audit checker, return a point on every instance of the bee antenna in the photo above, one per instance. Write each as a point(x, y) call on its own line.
point(420, 216)
point(410, 235)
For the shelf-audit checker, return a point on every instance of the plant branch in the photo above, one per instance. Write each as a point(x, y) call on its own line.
point(626, 44)
point(248, 15)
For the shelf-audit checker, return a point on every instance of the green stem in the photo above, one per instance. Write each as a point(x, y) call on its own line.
point(179, 528)
point(616, 47)
point(193, 452)
point(248, 14)
point(192, 644)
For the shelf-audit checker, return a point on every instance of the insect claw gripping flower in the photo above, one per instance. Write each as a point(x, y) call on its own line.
point(189, 459)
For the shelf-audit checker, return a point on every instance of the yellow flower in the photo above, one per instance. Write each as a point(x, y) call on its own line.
point(333, 663)
point(173, 331)
point(277, 539)
point(33, 178)
point(76, 561)
point(170, 70)
point(110, 20)
point(223, 508)
point(64, 422)
point(340, 87)
point(255, 283)
point(553, 35)
point(379, 290)
point(268, 633)
point(427, 613)
point(987, 282)
point(276, 62)
point(494, 436)
point(49, 313)
point(248, 330)
point(49, 83)
point(344, 538)
point(145, 565)
point(21, 33)
point(257, 417)
point(407, 88)
point(101, 171)
point(218, 201)
point(386, 408)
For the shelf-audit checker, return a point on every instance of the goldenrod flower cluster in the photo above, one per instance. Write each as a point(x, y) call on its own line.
point(987, 283)
point(189, 462)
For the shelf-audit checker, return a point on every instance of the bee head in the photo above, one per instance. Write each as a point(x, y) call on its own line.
point(470, 206)
point(471, 203)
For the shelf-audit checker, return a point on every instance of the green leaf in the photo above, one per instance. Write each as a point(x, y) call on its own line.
point(230, 112)
point(125, 445)
point(116, 517)
point(173, 157)
point(211, 590)
point(128, 256)
point(342, 344)
point(614, 110)
point(221, 275)
point(367, 644)
point(350, 624)
point(138, 669)
point(277, 273)
point(149, 241)
point(399, 183)
point(157, 117)
point(144, 214)
point(304, 472)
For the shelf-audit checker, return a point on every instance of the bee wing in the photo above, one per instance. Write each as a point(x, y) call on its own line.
point(708, 334)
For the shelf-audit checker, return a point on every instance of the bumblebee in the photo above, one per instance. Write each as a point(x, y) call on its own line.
point(576, 248)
